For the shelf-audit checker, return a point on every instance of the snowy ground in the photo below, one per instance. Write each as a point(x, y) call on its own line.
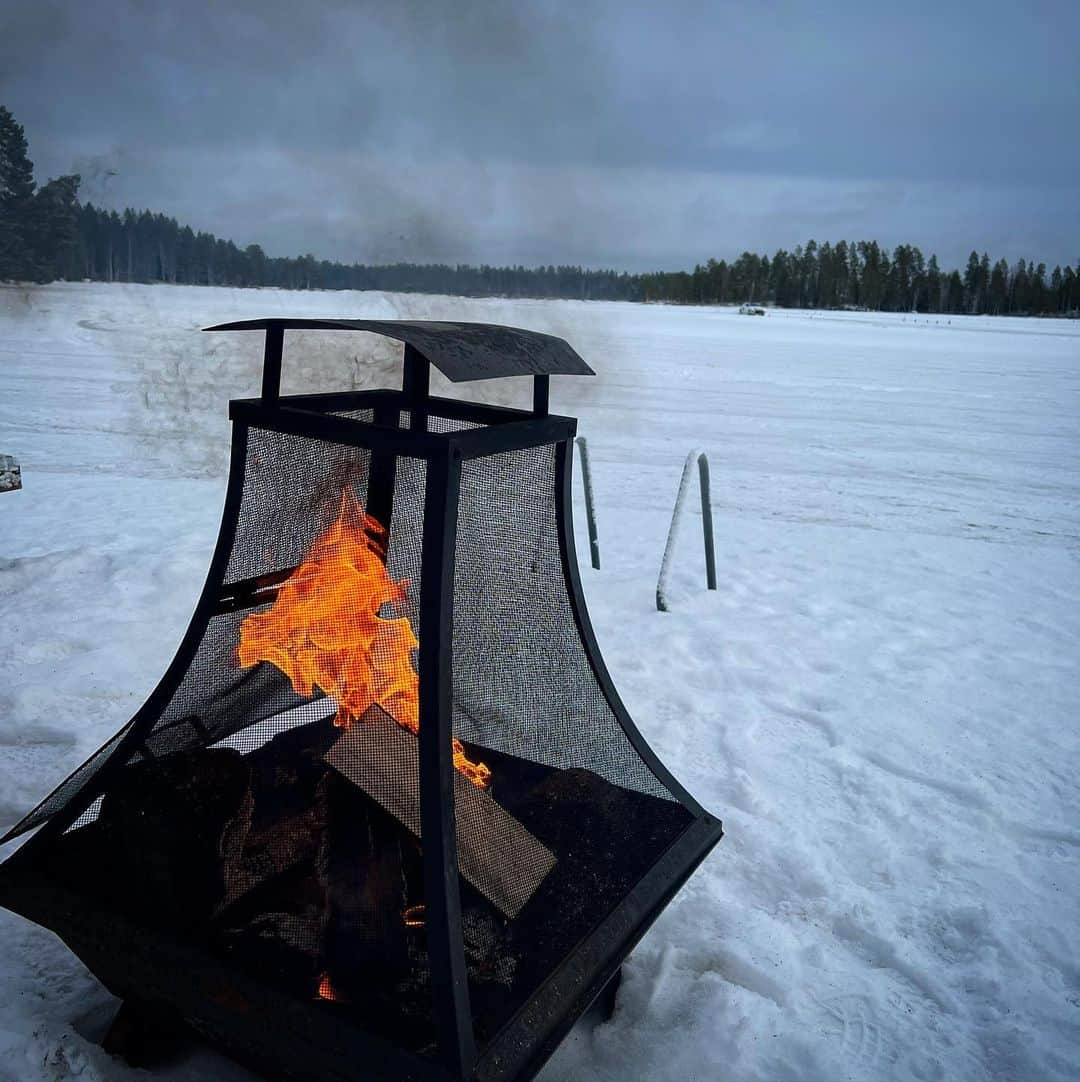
point(880, 700)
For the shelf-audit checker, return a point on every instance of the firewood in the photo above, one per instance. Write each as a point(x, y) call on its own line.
point(496, 854)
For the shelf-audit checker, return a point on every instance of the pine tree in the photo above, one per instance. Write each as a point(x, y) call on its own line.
point(956, 301)
point(998, 301)
point(982, 300)
point(971, 283)
point(16, 194)
point(1037, 289)
point(933, 286)
point(1070, 291)
point(1018, 288)
point(54, 214)
point(1056, 282)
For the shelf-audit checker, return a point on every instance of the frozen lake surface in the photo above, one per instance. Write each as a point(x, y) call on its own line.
point(881, 699)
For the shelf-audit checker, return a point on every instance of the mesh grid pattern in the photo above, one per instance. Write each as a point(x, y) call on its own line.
point(450, 424)
point(523, 683)
point(586, 816)
point(292, 494)
point(71, 787)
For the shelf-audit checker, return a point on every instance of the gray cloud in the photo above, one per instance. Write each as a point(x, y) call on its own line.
point(595, 132)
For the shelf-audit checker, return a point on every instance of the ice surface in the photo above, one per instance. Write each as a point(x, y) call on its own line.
point(880, 700)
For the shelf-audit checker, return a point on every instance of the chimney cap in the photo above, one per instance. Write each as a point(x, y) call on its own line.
point(460, 351)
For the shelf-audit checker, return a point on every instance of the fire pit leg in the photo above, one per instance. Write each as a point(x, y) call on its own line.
point(146, 1036)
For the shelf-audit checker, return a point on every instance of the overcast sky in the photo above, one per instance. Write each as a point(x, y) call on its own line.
point(605, 133)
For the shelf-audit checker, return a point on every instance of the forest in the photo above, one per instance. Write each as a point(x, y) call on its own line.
point(46, 234)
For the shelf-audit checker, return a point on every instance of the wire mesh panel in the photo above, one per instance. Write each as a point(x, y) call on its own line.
point(581, 816)
point(523, 682)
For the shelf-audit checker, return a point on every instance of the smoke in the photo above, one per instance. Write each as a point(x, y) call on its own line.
point(98, 173)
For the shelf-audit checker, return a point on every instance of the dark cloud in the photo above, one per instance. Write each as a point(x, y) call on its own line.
point(591, 131)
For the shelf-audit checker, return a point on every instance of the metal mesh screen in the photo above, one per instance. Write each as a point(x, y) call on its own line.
point(581, 816)
point(523, 683)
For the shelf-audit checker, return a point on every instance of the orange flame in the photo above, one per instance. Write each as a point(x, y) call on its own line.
point(326, 989)
point(414, 916)
point(325, 630)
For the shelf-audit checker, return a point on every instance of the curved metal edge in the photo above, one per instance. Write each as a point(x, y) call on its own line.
point(144, 718)
point(564, 514)
point(520, 1049)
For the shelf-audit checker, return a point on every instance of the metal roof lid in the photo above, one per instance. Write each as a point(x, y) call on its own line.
point(460, 351)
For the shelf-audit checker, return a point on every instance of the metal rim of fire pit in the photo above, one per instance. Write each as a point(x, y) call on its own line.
point(524, 1043)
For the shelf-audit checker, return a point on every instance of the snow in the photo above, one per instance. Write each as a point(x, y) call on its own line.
point(880, 699)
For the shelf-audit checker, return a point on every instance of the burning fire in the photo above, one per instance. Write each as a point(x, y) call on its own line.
point(325, 630)
point(326, 989)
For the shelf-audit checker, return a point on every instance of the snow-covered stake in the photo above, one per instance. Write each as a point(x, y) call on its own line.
point(10, 474)
point(385, 815)
point(590, 510)
point(673, 530)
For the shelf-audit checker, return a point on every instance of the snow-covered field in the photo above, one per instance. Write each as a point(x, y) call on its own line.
point(881, 700)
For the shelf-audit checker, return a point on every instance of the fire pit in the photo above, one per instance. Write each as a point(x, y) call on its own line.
point(385, 815)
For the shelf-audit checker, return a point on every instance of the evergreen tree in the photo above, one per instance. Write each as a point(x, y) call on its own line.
point(956, 301)
point(1070, 291)
point(998, 302)
point(1018, 288)
point(984, 284)
point(971, 283)
point(54, 217)
point(1037, 292)
point(935, 301)
point(16, 193)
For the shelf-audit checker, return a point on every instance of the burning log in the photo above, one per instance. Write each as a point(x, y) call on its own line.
point(495, 852)
point(317, 874)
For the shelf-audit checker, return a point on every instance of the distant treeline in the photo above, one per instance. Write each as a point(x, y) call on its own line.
point(47, 234)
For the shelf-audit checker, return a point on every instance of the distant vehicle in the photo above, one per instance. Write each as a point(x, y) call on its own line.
point(750, 309)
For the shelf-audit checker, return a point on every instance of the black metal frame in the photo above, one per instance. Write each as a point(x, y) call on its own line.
point(442, 896)
point(526, 1041)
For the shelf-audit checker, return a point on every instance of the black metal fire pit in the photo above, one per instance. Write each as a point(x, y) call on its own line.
point(391, 646)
